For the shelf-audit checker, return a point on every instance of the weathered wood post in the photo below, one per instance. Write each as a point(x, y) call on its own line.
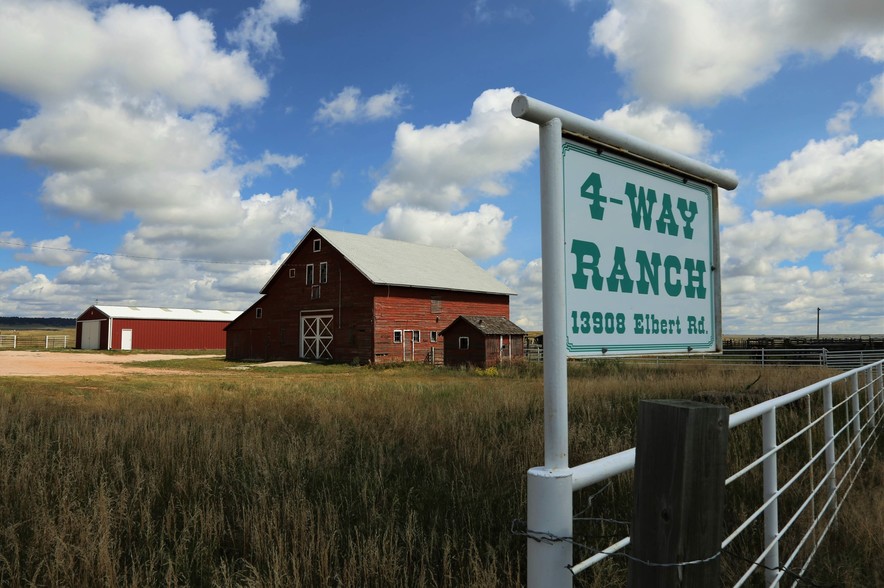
point(680, 468)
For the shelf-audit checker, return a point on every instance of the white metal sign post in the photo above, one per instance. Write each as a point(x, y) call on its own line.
point(630, 258)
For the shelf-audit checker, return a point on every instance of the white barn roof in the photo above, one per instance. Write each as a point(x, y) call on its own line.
point(399, 263)
point(172, 314)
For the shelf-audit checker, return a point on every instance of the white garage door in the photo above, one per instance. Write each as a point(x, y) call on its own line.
point(91, 335)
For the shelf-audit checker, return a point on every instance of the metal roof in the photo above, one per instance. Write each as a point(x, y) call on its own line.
point(399, 263)
point(172, 314)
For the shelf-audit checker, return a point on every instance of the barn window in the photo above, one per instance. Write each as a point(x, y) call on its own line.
point(291, 272)
point(397, 336)
point(436, 304)
point(259, 312)
point(416, 336)
point(434, 336)
point(317, 245)
point(323, 272)
point(309, 274)
point(314, 292)
point(463, 342)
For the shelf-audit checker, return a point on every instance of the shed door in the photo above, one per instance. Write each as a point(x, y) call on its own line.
point(126, 339)
point(316, 336)
point(91, 335)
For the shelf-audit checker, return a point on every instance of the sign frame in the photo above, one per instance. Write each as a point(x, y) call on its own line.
point(629, 323)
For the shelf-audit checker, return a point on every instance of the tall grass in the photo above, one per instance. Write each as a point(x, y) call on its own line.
point(356, 477)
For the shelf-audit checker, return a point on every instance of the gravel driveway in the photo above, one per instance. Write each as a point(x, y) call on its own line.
point(41, 363)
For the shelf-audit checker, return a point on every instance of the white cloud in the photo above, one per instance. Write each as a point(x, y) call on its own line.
point(698, 51)
point(8, 241)
point(835, 170)
point(729, 212)
point(840, 123)
point(444, 167)
point(875, 102)
point(14, 276)
point(478, 234)
point(660, 125)
point(115, 142)
point(526, 278)
point(760, 245)
point(349, 106)
point(56, 252)
point(140, 51)
point(257, 27)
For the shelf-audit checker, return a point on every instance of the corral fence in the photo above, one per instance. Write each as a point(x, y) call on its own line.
point(35, 341)
point(822, 357)
point(794, 459)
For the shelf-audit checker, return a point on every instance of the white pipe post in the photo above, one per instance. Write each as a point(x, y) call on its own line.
point(771, 486)
point(550, 494)
point(856, 441)
point(829, 439)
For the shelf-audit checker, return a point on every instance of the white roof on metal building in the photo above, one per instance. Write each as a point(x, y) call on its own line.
point(172, 314)
point(399, 263)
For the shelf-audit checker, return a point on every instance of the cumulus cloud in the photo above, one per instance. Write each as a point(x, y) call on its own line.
point(479, 234)
point(839, 169)
point(840, 123)
point(768, 239)
point(9, 241)
point(56, 252)
point(442, 168)
point(875, 102)
point(697, 52)
point(660, 125)
point(256, 30)
point(781, 293)
point(526, 279)
point(141, 51)
point(133, 125)
point(16, 275)
point(350, 106)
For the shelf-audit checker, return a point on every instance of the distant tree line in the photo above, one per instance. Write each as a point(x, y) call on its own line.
point(32, 323)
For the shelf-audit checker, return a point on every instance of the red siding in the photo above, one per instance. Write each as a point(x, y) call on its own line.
point(170, 334)
point(411, 309)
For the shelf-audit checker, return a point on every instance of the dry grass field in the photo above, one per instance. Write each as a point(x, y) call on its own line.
point(329, 475)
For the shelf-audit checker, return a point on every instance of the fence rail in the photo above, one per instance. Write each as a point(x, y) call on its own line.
point(835, 422)
point(843, 360)
point(35, 341)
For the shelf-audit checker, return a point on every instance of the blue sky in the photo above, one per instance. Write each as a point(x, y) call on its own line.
point(172, 153)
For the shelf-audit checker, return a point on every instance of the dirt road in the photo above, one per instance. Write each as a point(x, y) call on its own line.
point(41, 363)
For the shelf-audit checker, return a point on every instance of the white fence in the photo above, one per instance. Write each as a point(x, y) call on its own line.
point(7, 341)
point(764, 357)
point(803, 451)
point(56, 341)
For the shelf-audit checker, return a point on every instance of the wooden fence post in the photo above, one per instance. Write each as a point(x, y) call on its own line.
point(680, 468)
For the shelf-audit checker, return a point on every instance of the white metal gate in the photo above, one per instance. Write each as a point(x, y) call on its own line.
point(316, 336)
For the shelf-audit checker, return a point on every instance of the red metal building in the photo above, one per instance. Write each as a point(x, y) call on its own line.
point(131, 327)
point(346, 297)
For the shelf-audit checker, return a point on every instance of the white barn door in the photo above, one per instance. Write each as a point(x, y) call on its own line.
point(316, 336)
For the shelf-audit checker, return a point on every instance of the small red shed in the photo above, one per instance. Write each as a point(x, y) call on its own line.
point(134, 327)
point(483, 341)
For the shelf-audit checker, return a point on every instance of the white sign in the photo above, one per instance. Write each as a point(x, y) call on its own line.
point(639, 257)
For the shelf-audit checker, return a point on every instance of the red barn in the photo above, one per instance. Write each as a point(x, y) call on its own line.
point(483, 341)
point(133, 327)
point(346, 297)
